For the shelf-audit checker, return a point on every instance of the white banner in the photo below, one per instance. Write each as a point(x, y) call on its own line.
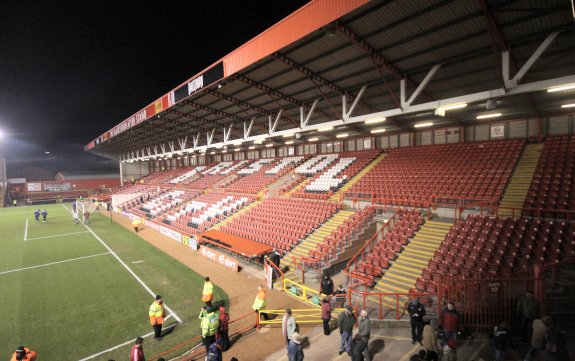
point(497, 131)
point(34, 187)
point(171, 233)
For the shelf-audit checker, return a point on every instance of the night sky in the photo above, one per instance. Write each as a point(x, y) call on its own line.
point(72, 69)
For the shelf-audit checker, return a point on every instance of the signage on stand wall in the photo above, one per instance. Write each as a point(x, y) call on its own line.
point(497, 131)
point(220, 258)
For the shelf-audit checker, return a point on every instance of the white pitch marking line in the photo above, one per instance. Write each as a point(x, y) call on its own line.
point(123, 344)
point(53, 263)
point(129, 270)
point(137, 262)
point(57, 235)
point(26, 230)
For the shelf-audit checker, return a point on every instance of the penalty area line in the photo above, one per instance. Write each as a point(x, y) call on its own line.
point(152, 293)
point(26, 230)
point(56, 235)
point(53, 263)
point(123, 344)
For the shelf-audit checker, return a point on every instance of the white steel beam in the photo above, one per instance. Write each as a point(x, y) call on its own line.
point(347, 113)
point(275, 123)
point(227, 133)
point(528, 64)
point(196, 140)
point(210, 136)
point(248, 129)
point(419, 89)
point(304, 119)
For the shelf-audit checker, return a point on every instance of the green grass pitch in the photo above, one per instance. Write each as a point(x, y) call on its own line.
point(66, 296)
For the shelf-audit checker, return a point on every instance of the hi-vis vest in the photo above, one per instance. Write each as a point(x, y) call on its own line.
point(209, 323)
point(208, 291)
point(260, 301)
point(135, 222)
point(156, 314)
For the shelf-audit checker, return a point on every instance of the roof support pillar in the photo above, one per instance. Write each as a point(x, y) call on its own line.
point(196, 140)
point(183, 142)
point(275, 123)
point(227, 132)
point(419, 89)
point(511, 83)
point(210, 136)
point(304, 119)
point(248, 129)
point(346, 114)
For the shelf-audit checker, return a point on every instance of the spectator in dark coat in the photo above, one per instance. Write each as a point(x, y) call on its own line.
point(557, 345)
point(326, 315)
point(295, 352)
point(364, 332)
point(527, 311)
point(501, 340)
point(358, 347)
point(345, 325)
point(416, 312)
point(326, 285)
point(215, 351)
point(420, 356)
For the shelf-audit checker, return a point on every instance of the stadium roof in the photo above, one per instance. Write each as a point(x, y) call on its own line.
point(343, 63)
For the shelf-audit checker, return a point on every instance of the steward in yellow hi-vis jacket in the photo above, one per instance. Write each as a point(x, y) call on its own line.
point(157, 315)
point(208, 292)
point(209, 323)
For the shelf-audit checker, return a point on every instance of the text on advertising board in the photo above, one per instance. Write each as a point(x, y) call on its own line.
point(222, 259)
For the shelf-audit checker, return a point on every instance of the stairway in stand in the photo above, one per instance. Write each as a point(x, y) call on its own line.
point(518, 186)
point(296, 188)
point(404, 271)
point(357, 177)
point(311, 241)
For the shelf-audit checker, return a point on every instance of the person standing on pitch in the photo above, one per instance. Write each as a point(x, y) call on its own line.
point(208, 292)
point(157, 315)
point(37, 215)
point(137, 351)
point(23, 354)
point(86, 217)
point(209, 323)
point(44, 214)
point(75, 215)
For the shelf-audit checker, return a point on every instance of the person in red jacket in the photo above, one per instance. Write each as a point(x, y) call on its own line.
point(223, 328)
point(449, 319)
point(137, 351)
point(23, 354)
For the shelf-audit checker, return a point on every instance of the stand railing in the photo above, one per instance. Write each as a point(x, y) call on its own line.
point(241, 326)
point(341, 238)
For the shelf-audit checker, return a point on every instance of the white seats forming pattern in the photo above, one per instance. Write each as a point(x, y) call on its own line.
point(255, 166)
point(226, 205)
point(316, 164)
point(283, 163)
point(328, 181)
point(232, 168)
point(163, 202)
point(218, 168)
point(187, 175)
